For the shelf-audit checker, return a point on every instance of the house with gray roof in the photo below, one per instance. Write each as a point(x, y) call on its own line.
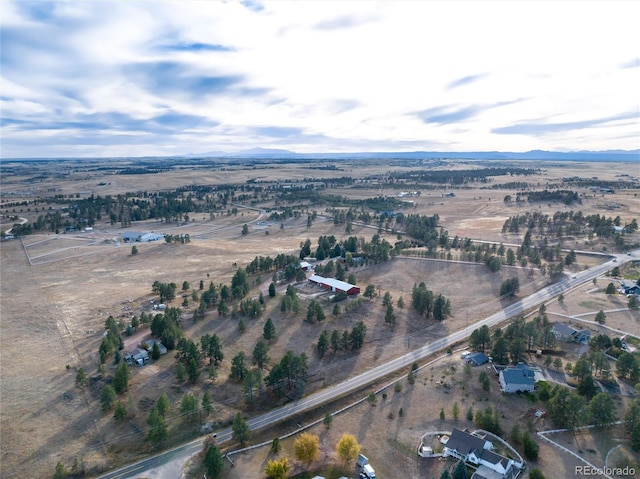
point(568, 334)
point(466, 446)
point(517, 379)
point(477, 451)
point(148, 345)
point(138, 356)
point(476, 359)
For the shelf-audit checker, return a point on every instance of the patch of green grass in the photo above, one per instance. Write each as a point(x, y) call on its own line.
point(400, 446)
point(632, 340)
point(587, 304)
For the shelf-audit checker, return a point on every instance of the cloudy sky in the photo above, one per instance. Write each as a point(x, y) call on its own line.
point(92, 78)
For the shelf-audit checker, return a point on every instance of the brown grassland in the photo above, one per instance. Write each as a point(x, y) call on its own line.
point(58, 290)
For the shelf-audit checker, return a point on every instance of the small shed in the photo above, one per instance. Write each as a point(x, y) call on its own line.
point(477, 359)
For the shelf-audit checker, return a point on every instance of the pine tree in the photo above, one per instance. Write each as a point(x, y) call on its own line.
point(269, 330)
point(213, 462)
point(61, 471)
point(241, 431)
point(158, 430)
point(460, 471)
point(120, 411)
point(107, 397)
point(82, 378)
point(121, 378)
point(207, 403)
point(456, 410)
point(328, 420)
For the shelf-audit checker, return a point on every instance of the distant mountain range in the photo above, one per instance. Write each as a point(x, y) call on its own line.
point(608, 155)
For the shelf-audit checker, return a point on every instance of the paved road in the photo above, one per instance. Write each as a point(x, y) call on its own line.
point(353, 384)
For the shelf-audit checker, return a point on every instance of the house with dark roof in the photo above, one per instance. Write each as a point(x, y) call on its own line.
point(476, 359)
point(583, 336)
point(627, 287)
point(148, 345)
point(466, 446)
point(568, 334)
point(517, 379)
point(477, 451)
point(138, 356)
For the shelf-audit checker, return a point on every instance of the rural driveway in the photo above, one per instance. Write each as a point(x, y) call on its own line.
point(182, 453)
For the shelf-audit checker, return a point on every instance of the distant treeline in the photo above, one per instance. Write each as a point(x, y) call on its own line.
point(461, 177)
point(143, 171)
point(566, 223)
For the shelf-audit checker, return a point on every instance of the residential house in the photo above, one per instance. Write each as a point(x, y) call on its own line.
point(149, 345)
point(477, 451)
point(517, 379)
point(476, 359)
point(628, 287)
point(138, 357)
point(568, 334)
point(563, 332)
point(466, 446)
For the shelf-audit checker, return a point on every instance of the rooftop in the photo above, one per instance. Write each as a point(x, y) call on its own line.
point(519, 375)
point(465, 443)
point(334, 283)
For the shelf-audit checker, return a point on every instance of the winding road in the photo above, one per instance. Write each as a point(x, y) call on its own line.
point(353, 384)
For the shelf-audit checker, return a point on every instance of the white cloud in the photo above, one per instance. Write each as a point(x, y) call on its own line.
point(344, 75)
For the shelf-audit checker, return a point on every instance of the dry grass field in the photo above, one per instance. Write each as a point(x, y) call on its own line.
point(58, 290)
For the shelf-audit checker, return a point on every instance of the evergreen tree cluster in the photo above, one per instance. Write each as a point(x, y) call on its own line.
point(459, 177)
point(566, 223)
point(290, 301)
point(165, 326)
point(430, 304)
point(342, 340)
point(112, 342)
point(289, 375)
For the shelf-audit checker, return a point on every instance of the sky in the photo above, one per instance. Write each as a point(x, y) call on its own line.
point(158, 78)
